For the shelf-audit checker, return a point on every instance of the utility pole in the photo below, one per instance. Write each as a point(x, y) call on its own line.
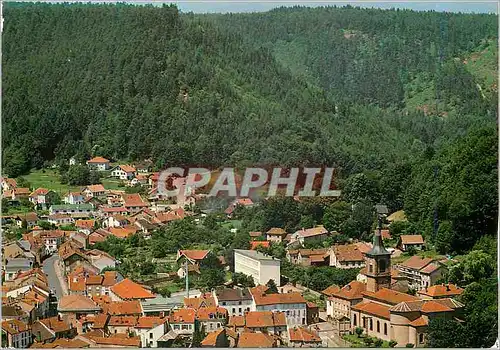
point(187, 278)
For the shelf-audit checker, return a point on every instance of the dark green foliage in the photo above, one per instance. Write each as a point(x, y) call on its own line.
point(273, 288)
point(243, 280)
point(78, 175)
point(445, 333)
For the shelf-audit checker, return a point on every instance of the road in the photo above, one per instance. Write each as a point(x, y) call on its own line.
point(54, 281)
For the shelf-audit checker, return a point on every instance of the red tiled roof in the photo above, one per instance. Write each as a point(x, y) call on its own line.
point(182, 316)
point(205, 300)
point(255, 234)
point(125, 321)
point(76, 302)
point(330, 290)
point(193, 254)
point(416, 262)
point(374, 309)
point(412, 239)
point(348, 252)
point(211, 338)
point(133, 200)
point(236, 321)
point(283, 298)
point(204, 313)
point(98, 160)
point(244, 201)
point(85, 223)
point(255, 244)
point(127, 168)
point(100, 321)
point(311, 232)
point(95, 188)
point(55, 324)
point(150, 322)
point(259, 319)
point(441, 290)
point(116, 308)
point(255, 340)
point(390, 296)
point(14, 326)
point(353, 290)
point(118, 341)
point(430, 268)
point(276, 231)
point(128, 289)
point(419, 322)
point(300, 334)
point(39, 192)
point(123, 232)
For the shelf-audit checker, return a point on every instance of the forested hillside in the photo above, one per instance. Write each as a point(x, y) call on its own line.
point(292, 86)
point(403, 102)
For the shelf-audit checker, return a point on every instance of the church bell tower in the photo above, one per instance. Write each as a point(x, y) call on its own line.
point(378, 259)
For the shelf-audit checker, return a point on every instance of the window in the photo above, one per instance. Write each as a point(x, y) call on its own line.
point(378, 326)
point(371, 324)
point(355, 321)
point(150, 335)
point(421, 338)
point(381, 266)
point(223, 303)
point(385, 328)
point(371, 268)
point(239, 310)
point(234, 310)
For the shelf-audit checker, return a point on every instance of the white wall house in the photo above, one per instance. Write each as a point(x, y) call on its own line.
point(261, 267)
point(98, 163)
point(150, 332)
point(123, 172)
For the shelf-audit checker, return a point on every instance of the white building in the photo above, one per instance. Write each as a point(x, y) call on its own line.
point(292, 304)
point(123, 172)
point(98, 163)
point(150, 329)
point(16, 334)
point(236, 301)
point(74, 198)
point(261, 267)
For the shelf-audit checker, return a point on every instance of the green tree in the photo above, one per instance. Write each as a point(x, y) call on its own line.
point(359, 331)
point(445, 333)
point(272, 287)
point(78, 175)
point(444, 238)
point(336, 215)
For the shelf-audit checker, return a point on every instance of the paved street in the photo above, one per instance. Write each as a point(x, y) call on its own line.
point(53, 279)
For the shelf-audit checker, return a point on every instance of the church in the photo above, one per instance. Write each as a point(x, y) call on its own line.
point(384, 312)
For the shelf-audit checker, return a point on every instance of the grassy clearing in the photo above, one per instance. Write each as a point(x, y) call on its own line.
point(49, 178)
point(359, 342)
point(228, 224)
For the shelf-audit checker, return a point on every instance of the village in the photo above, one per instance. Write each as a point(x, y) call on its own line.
point(59, 290)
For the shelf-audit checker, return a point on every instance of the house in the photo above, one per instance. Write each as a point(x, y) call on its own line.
point(30, 218)
point(51, 239)
point(8, 184)
point(72, 307)
point(440, 291)
point(40, 198)
point(340, 301)
point(346, 256)
point(15, 266)
point(20, 193)
point(261, 267)
point(420, 272)
point(192, 257)
point(240, 202)
point(101, 259)
point(256, 340)
point(275, 234)
point(236, 301)
point(407, 241)
point(292, 304)
point(312, 313)
point(129, 290)
point(139, 180)
point(211, 317)
point(85, 226)
point(259, 321)
point(94, 190)
point(16, 334)
point(123, 232)
point(98, 236)
point(254, 235)
point(50, 329)
point(123, 172)
point(308, 257)
point(71, 256)
point(116, 220)
point(144, 167)
point(122, 324)
point(215, 339)
point(182, 321)
point(150, 329)
point(71, 209)
point(315, 233)
point(301, 337)
point(98, 163)
point(60, 219)
point(111, 341)
point(134, 202)
point(74, 198)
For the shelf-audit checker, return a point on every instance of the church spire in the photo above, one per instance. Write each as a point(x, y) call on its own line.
point(378, 244)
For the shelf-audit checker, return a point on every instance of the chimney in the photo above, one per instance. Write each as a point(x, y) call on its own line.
point(59, 318)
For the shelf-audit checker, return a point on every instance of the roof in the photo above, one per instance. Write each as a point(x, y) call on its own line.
point(95, 188)
point(85, 223)
point(374, 309)
point(31, 216)
point(244, 201)
point(127, 289)
point(110, 278)
point(117, 340)
point(441, 290)
point(411, 239)
point(203, 301)
point(98, 160)
point(14, 326)
point(419, 322)
point(274, 299)
point(255, 340)
point(397, 216)
point(22, 191)
point(130, 307)
point(424, 306)
point(55, 324)
point(311, 232)
point(39, 192)
point(255, 234)
point(259, 319)
point(353, 290)
point(124, 321)
point(255, 244)
point(276, 231)
point(429, 269)
point(389, 296)
point(123, 232)
point(127, 168)
point(211, 338)
point(348, 252)
point(253, 254)
point(94, 280)
point(133, 200)
point(76, 302)
point(386, 234)
point(236, 321)
point(230, 294)
point(416, 262)
point(150, 322)
point(194, 255)
point(207, 313)
point(83, 206)
point(182, 316)
point(330, 290)
point(301, 334)
point(100, 321)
